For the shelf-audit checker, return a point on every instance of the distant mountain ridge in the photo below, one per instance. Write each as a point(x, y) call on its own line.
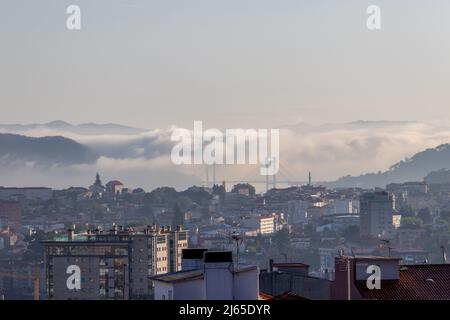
point(46, 151)
point(84, 128)
point(415, 168)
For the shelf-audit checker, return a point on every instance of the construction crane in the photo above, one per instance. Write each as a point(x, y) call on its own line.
point(35, 278)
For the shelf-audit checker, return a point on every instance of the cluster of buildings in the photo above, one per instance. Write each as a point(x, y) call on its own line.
point(123, 252)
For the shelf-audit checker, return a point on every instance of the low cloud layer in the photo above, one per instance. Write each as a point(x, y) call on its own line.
point(143, 160)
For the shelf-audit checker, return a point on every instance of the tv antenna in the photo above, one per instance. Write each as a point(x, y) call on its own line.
point(387, 244)
point(237, 238)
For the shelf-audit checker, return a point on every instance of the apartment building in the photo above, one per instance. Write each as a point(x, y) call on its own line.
point(112, 265)
point(377, 214)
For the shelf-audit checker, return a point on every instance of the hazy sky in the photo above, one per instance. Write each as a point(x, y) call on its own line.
point(253, 63)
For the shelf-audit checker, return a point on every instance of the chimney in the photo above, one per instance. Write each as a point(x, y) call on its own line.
point(218, 269)
point(271, 265)
point(192, 259)
point(343, 286)
point(70, 235)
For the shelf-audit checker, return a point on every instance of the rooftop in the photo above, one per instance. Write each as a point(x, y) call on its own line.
point(179, 276)
point(291, 265)
point(376, 258)
point(417, 282)
point(191, 275)
point(284, 296)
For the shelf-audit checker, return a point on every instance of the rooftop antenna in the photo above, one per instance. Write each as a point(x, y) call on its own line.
point(235, 236)
point(387, 243)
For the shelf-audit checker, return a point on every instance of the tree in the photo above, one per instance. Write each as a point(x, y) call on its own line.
point(425, 215)
point(251, 189)
point(351, 233)
point(162, 195)
point(282, 239)
point(184, 203)
point(178, 217)
point(445, 214)
point(406, 211)
point(411, 221)
point(197, 195)
point(220, 191)
point(309, 230)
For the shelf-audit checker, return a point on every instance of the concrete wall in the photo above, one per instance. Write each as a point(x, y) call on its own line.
point(162, 290)
point(219, 281)
point(183, 290)
point(89, 278)
point(246, 285)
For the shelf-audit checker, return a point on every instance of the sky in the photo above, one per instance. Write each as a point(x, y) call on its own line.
point(286, 64)
point(250, 63)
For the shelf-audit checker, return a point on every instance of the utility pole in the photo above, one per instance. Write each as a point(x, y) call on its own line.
point(235, 236)
point(444, 256)
point(349, 296)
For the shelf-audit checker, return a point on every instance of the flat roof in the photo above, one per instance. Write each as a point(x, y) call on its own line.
point(84, 242)
point(375, 258)
point(290, 265)
point(179, 276)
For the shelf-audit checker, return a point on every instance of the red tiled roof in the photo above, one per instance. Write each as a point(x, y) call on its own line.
point(289, 296)
point(417, 282)
point(265, 296)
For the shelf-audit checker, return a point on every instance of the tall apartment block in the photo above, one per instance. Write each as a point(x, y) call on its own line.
point(376, 217)
point(112, 265)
